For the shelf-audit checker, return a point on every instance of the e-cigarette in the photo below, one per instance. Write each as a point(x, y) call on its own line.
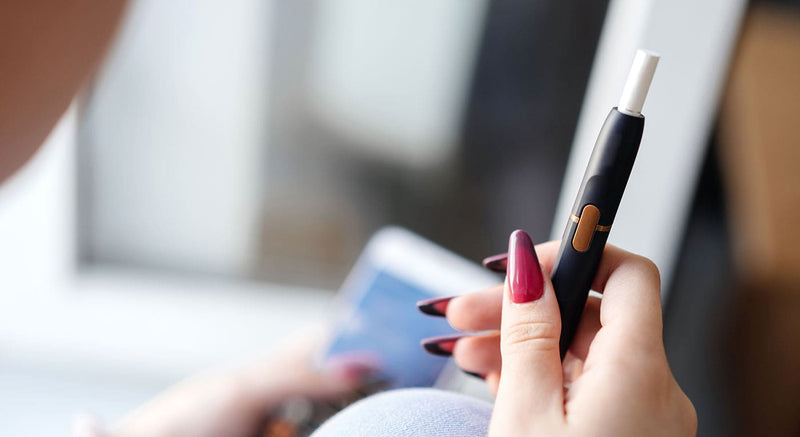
point(599, 196)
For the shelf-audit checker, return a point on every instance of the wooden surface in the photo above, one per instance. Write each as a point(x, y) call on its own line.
point(760, 145)
point(760, 158)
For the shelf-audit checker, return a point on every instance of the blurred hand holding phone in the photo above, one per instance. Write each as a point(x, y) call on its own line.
point(376, 315)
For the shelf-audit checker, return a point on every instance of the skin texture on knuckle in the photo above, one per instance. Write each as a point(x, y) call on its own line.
point(637, 281)
point(650, 271)
point(642, 271)
point(639, 271)
point(631, 265)
point(530, 336)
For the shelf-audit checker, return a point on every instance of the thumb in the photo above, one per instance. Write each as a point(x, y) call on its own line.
point(531, 381)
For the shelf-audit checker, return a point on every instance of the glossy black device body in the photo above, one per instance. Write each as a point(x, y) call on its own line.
point(602, 186)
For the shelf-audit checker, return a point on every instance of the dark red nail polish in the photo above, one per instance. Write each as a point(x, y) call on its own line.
point(477, 375)
point(357, 372)
point(496, 263)
point(524, 275)
point(436, 306)
point(442, 346)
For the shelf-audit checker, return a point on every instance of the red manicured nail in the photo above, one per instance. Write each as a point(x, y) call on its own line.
point(524, 275)
point(442, 346)
point(434, 307)
point(496, 263)
point(477, 375)
point(353, 365)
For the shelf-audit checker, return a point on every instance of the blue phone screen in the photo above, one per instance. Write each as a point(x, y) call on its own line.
point(385, 320)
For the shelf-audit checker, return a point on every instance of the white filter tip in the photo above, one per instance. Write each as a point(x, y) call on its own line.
point(638, 82)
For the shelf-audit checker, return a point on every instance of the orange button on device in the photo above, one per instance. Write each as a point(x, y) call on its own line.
point(586, 225)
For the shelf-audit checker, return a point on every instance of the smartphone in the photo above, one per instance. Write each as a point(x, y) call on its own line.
point(375, 312)
point(376, 305)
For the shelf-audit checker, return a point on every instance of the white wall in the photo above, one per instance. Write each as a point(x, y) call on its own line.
point(175, 137)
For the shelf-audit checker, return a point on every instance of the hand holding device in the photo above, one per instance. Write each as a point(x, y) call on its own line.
point(621, 385)
point(615, 380)
point(598, 199)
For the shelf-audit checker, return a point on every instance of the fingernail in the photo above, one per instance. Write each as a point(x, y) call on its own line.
point(353, 365)
point(356, 372)
point(496, 263)
point(434, 307)
point(524, 276)
point(477, 375)
point(442, 346)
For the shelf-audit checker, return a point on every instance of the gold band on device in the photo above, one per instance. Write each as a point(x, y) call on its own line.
point(587, 226)
point(598, 228)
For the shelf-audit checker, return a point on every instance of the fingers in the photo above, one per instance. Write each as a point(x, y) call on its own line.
point(479, 355)
point(479, 311)
point(531, 383)
point(631, 304)
point(294, 371)
point(587, 328)
point(612, 258)
point(547, 253)
point(268, 383)
point(632, 281)
point(493, 382)
point(340, 375)
point(630, 309)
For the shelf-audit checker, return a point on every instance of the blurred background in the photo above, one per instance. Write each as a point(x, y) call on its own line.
point(209, 190)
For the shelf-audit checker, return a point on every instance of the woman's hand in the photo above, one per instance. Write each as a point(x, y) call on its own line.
point(236, 403)
point(615, 379)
